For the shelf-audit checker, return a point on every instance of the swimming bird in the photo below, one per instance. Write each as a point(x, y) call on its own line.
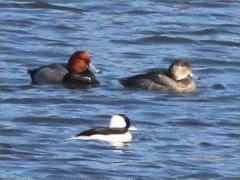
point(117, 132)
point(177, 78)
point(78, 71)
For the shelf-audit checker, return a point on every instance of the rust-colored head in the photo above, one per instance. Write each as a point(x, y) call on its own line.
point(79, 61)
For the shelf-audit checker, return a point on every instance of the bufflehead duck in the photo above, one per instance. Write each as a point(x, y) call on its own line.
point(77, 71)
point(117, 132)
point(177, 78)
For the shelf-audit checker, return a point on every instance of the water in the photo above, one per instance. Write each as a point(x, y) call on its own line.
point(195, 135)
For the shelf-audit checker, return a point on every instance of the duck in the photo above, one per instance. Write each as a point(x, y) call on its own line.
point(117, 132)
point(77, 71)
point(177, 78)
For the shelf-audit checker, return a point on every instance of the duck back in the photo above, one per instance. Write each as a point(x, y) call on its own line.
point(143, 80)
point(159, 80)
point(49, 74)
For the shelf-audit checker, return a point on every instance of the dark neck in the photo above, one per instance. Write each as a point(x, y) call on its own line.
point(119, 130)
point(86, 72)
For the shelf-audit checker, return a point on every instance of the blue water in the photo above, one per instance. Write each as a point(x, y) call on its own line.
point(182, 136)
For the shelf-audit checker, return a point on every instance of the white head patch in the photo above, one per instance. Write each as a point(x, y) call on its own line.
point(182, 73)
point(181, 77)
point(117, 122)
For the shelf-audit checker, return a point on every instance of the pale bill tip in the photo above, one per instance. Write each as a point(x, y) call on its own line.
point(132, 128)
point(93, 69)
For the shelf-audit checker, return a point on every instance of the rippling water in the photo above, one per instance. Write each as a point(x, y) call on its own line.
point(194, 135)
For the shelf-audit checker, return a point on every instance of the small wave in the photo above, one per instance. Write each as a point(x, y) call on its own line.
point(54, 120)
point(72, 101)
point(66, 27)
point(60, 44)
point(140, 12)
point(216, 62)
point(13, 132)
point(210, 71)
point(32, 101)
point(231, 135)
point(203, 175)
point(228, 124)
point(41, 5)
point(15, 32)
point(222, 43)
point(206, 144)
point(218, 87)
point(156, 40)
point(193, 122)
point(19, 23)
point(202, 4)
point(207, 31)
point(134, 55)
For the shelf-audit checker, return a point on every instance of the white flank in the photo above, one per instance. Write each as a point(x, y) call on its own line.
point(127, 137)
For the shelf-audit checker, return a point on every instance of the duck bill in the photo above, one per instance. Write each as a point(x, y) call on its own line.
point(132, 128)
point(93, 69)
point(193, 76)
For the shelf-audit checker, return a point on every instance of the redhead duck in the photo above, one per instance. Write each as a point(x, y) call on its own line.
point(117, 132)
point(78, 71)
point(177, 78)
